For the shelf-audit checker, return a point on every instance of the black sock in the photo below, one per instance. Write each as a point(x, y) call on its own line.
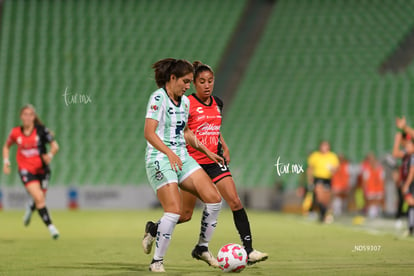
point(322, 211)
point(153, 229)
point(243, 226)
point(44, 215)
point(32, 206)
point(154, 261)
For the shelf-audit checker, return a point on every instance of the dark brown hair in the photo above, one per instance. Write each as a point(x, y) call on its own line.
point(164, 68)
point(37, 121)
point(200, 67)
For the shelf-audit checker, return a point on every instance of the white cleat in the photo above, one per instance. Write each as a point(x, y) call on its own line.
point(157, 267)
point(256, 256)
point(202, 253)
point(53, 231)
point(148, 239)
point(27, 215)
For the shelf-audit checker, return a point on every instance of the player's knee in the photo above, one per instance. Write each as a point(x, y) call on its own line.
point(235, 203)
point(186, 216)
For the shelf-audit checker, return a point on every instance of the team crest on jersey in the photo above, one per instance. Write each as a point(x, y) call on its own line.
point(159, 175)
point(19, 140)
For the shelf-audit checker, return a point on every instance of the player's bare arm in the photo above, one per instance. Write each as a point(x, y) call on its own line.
point(6, 160)
point(192, 140)
point(396, 151)
point(226, 151)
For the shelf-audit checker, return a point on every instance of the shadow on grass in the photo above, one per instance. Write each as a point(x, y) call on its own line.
point(105, 266)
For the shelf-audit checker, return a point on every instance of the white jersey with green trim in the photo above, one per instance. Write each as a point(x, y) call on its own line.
point(172, 120)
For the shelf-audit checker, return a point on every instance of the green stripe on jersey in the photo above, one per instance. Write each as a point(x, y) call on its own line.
point(172, 120)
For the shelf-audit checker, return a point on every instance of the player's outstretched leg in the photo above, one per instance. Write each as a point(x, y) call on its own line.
point(30, 207)
point(243, 227)
point(208, 225)
point(165, 229)
point(227, 189)
point(44, 215)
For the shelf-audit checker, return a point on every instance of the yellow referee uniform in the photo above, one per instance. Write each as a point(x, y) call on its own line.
point(323, 164)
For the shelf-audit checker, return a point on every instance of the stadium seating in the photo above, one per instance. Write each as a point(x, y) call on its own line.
point(315, 76)
point(103, 50)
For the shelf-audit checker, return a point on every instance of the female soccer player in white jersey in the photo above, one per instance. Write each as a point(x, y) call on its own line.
point(168, 164)
point(205, 122)
point(33, 162)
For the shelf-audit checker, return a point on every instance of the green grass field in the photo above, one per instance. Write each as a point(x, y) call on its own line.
point(108, 243)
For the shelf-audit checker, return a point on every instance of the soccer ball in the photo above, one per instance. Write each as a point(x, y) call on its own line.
point(232, 258)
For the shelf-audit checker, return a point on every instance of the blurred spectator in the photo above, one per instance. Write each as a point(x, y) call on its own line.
point(373, 186)
point(340, 186)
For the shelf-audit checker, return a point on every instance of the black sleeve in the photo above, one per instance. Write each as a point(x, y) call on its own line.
point(44, 134)
point(219, 103)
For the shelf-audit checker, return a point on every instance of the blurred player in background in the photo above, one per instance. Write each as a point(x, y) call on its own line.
point(373, 186)
point(169, 166)
point(341, 186)
point(33, 162)
point(322, 164)
point(407, 170)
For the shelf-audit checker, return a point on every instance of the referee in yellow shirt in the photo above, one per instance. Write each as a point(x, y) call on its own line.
point(322, 164)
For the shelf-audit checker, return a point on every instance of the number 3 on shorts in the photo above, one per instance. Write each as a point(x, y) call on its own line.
point(222, 167)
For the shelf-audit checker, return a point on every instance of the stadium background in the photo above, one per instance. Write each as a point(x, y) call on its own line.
point(291, 72)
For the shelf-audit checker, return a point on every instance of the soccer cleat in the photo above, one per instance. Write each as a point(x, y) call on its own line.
point(53, 231)
point(202, 253)
point(256, 256)
point(157, 266)
point(148, 239)
point(27, 215)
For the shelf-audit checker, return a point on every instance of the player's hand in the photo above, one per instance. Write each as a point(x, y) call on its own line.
point(175, 162)
point(214, 157)
point(226, 155)
point(401, 122)
point(46, 158)
point(6, 169)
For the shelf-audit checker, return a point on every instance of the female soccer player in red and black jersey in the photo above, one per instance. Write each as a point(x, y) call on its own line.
point(205, 121)
point(404, 137)
point(33, 162)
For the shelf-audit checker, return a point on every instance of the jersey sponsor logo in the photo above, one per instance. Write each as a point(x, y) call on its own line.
point(154, 107)
point(202, 117)
point(157, 98)
point(19, 140)
point(29, 152)
point(200, 109)
point(208, 134)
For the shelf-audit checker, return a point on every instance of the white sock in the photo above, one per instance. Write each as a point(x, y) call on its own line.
point(337, 206)
point(208, 222)
point(164, 233)
point(373, 211)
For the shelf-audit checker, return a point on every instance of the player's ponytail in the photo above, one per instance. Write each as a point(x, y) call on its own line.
point(164, 68)
point(200, 67)
point(37, 120)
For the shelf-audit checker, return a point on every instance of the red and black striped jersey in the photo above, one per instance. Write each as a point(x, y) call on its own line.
point(30, 148)
point(205, 121)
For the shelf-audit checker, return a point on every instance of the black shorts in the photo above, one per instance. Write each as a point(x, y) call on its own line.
point(28, 177)
point(326, 183)
point(216, 171)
